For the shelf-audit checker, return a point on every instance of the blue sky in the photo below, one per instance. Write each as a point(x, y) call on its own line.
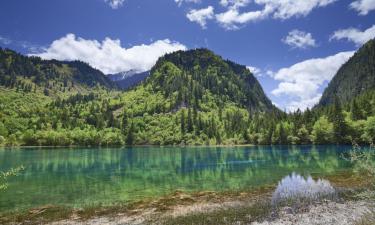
point(293, 46)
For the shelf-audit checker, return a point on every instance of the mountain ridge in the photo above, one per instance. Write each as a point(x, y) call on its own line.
point(353, 78)
point(25, 71)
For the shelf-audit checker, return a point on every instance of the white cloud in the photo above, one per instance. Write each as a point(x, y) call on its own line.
point(234, 3)
point(302, 82)
point(363, 7)
point(179, 2)
point(355, 35)
point(108, 55)
point(285, 9)
point(115, 4)
point(201, 16)
point(255, 70)
point(232, 18)
point(299, 39)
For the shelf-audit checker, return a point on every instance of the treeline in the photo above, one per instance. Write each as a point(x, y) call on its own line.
point(103, 120)
point(191, 98)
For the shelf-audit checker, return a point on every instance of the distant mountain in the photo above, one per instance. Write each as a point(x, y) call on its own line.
point(128, 79)
point(20, 71)
point(355, 77)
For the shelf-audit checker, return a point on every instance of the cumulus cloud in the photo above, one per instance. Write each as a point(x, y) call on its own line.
point(234, 3)
point(233, 18)
point(363, 7)
point(302, 82)
point(354, 35)
point(201, 16)
point(115, 4)
point(179, 2)
point(299, 39)
point(108, 55)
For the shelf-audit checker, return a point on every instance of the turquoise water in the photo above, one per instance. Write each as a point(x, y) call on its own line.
point(80, 177)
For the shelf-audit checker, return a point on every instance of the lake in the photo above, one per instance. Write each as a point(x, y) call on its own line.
point(79, 177)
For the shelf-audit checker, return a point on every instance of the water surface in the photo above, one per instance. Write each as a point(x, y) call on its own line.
point(79, 177)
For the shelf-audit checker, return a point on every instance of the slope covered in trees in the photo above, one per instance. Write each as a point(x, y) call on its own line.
point(31, 73)
point(355, 77)
point(192, 97)
point(191, 73)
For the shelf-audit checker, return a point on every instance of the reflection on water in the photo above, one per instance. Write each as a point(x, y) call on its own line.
point(295, 186)
point(79, 177)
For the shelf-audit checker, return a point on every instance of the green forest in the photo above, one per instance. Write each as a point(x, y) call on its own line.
point(192, 97)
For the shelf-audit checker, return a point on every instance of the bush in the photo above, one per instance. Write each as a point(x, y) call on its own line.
point(298, 190)
point(364, 166)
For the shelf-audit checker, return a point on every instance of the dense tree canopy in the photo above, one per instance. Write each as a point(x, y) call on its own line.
point(190, 98)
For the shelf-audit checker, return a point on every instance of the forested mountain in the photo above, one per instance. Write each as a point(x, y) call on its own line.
point(355, 77)
point(30, 73)
point(128, 79)
point(191, 73)
point(190, 98)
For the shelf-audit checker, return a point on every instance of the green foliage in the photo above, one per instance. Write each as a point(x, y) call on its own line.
point(190, 98)
point(5, 175)
point(323, 131)
point(364, 165)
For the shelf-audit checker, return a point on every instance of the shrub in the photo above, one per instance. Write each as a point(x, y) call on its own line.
point(4, 176)
point(364, 165)
point(296, 189)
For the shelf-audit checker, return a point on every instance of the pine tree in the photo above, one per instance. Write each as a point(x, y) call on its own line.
point(356, 111)
point(182, 121)
point(338, 120)
point(189, 121)
point(130, 135)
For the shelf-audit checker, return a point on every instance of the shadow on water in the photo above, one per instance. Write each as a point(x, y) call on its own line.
point(90, 176)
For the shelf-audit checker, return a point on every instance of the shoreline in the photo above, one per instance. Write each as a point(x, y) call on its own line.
point(177, 206)
point(164, 146)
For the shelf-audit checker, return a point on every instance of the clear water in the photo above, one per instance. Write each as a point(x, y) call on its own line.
point(80, 177)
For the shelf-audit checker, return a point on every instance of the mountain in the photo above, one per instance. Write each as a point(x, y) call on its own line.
point(24, 72)
point(128, 79)
point(191, 74)
point(354, 78)
point(190, 97)
point(195, 97)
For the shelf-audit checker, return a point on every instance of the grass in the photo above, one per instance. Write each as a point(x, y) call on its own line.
point(37, 216)
point(368, 219)
point(235, 215)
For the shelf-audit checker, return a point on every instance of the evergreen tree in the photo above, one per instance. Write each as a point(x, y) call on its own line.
point(130, 135)
point(182, 121)
point(356, 111)
point(338, 120)
point(189, 122)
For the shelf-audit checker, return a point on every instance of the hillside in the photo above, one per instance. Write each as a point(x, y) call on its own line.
point(29, 73)
point(192, 73)
point(192, 97)
point(354, 78)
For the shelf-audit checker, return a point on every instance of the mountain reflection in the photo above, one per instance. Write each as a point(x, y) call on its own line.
point(78, 177)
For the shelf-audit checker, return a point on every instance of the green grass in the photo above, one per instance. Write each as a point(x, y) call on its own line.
point(237, 215)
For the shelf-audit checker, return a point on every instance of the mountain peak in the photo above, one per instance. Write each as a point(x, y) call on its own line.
point(184, 72)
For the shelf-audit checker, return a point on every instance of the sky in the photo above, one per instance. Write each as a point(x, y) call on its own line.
point(293, 47)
